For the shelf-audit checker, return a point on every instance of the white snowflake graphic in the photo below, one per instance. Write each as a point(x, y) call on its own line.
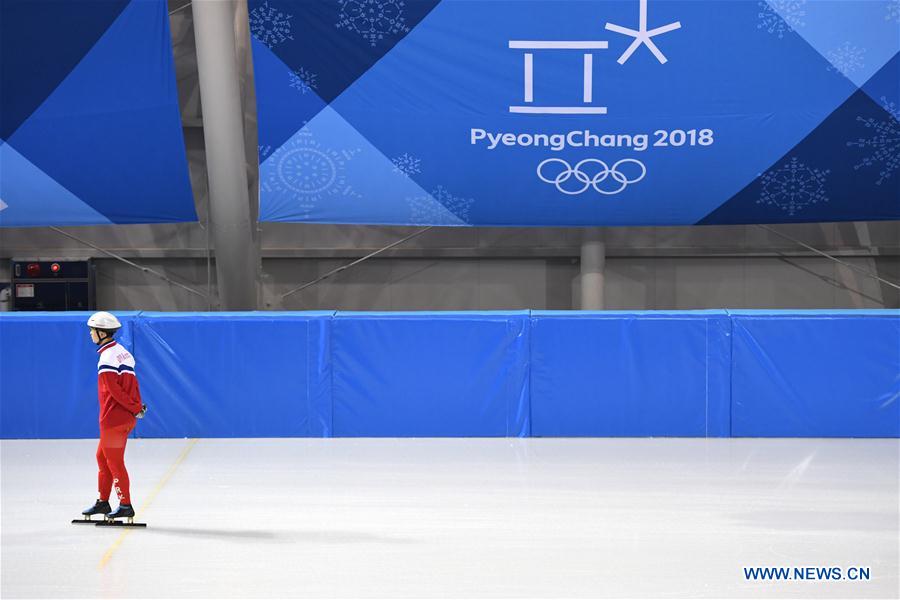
point(781, 16)
point(270, 26)
point(309, 173)
point(883, 143)
point(423, 210)
point(846, 58)
point(793, 187)
point(893, 11)
point(373, 19)
point(264, 151)
point(303, 80)
point(406, 164)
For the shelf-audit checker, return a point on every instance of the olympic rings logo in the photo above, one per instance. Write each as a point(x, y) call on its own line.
point(592, 176)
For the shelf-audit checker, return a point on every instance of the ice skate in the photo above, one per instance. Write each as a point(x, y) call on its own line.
point(100, 507)
point(125, 511)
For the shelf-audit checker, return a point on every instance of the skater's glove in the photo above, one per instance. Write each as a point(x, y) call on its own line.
point(143, 412)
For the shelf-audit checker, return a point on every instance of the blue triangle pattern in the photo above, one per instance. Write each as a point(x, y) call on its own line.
point(110, 132)
point(857, 38)
point(29, 197)
point(328, 173)
point(40, 43)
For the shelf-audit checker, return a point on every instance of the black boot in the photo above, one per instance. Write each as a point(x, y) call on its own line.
point(100, 507)
point(124, 510)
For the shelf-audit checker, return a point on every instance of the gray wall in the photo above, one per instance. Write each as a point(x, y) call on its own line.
point(647, 268)
point(468, 268)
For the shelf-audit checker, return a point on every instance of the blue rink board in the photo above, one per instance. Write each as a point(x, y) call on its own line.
point(430, 374)
point(816, 374)
point(512, 373)
point(630, 373)
point(234, 374)
point(48, 374)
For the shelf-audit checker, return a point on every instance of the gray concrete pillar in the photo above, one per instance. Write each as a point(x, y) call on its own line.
point(232, 229)
point(593, 263)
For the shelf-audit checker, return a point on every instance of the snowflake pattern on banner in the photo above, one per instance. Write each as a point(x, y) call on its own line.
point(781, 16)
point(310, 172)
point(846, 58)
point(264, 151)
point(373, 19)
point(884, 142)
point(406, 164)
point(793, 187)
point(303, 80)
point(423, 210)
point(270, 26)
point(893, 11)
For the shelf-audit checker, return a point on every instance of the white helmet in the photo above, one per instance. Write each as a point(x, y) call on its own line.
point(103, 320)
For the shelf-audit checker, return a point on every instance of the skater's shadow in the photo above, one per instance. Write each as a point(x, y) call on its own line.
point(235, 534)
point(281, 536)
point(342, 537)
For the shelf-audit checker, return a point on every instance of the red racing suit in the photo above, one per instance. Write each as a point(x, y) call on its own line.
point(120, 400)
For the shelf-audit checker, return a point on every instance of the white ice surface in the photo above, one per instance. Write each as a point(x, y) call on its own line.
point(455, 517)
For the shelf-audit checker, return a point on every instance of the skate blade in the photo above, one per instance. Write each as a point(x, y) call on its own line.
point(118, 524)
point(85, 521)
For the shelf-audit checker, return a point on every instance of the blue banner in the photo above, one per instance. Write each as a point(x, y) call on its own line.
point(90, 130)
point(595, 112)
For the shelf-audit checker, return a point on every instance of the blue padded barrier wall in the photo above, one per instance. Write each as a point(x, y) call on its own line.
point(48, 374)
point(431, 374)
point(630, 374)
point(519, 373)
point(234, 374)
point(816, 374)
